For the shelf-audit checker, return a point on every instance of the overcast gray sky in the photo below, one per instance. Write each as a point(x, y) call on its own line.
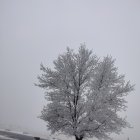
point(35, 31)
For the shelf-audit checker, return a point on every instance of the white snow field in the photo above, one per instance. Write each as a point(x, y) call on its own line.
point(15, 135)
point(6, 138)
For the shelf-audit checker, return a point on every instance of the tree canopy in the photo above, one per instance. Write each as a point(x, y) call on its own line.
point(84, 95)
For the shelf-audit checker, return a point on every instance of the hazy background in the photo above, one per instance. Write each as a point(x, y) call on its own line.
point(35, 31)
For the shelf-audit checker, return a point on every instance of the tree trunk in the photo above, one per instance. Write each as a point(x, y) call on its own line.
point(77, 138)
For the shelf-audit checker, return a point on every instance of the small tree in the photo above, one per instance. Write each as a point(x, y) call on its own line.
point(84, 95)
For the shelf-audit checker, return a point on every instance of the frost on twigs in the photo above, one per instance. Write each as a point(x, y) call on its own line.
point(85, 95)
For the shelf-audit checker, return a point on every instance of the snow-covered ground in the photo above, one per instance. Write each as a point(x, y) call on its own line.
point(16, 132)
point(6, 138)
point(48, 137)
point(7, 134)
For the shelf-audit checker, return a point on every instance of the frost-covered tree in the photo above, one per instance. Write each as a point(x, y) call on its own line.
point(84, 95)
